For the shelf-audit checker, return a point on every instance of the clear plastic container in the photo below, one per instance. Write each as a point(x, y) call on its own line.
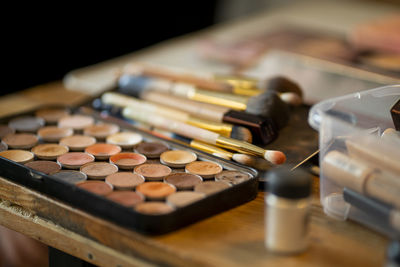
point(360, 151)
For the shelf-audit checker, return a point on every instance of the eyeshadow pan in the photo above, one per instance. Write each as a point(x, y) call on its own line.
point(98, 170)
point(205, 169)
point(211, 187)
point(5, 130)
point(101, 130)
point(103, 151)
point(70, 176)
point(74, 160)
point(177, 158)
point(124, 180)
point(76, 122)
point(19, 156)
point(54, 133)
point(127, 160)
point(125, 140)
point(155, 190)
point(233, 177)
point(26, 124)
point(97, 187)
point(126, 198)
point(183, 181)
point(154, 208)
point(52, 115)
point(153, 171)
point(3, 146)
point(151, 149)
point(78, 142)
point(184, 198)
point(49, 151)
point(45, 166)
point(21, 140)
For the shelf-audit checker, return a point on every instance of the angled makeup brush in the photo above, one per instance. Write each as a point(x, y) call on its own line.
point(229, 130)
point(273, 156)
point(287, 90)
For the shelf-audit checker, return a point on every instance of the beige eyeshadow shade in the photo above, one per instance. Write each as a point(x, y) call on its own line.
point(26, 124)
point(125, 140)
point(184, 198)
point(98, 170)
point(74, 160)
point(97, 187)
point(232, 177)
point(183, 181)
point(19, 156)
point(211, 187)
point(127, 160)
point(52, 115)
point(54, 133)
point(21, 140)
point(126, 198)
point(154, 208)
point(156, 190)
point(76, 122)
point(151, 149)
point(49, 151)
point(78, 142)
point(153, 172)
point(124, 180)
point(177, 158)
point(101, 130)
point(103, 151)
point(205, 169)
point(45, 166)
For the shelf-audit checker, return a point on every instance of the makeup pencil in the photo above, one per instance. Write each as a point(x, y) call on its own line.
point(229, 130)
point(273, 156)
point(267, 104)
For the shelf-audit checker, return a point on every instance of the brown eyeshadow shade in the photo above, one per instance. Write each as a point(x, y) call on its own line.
point(98, 170)
point(126, 198)
point(153, 171)
point(3, 146)
point(177, 158)
point(21, 140)
point(211, 187)
point(183, 181)
point(232, 177)
point(54, 133)
point(52, 115)
point(125, 140)
point(76, 122)
point(127, 160)
point(4, 130)
point(49, 151)
point(154, 208)
point(97, 187)
point(205, 169)
point(101, 130)
point(156, 190)
point(19, 156)
point(124, 180)
point(70, 176)
point(45, 166)
point(103, 151)
point(26, 124)
point(151, 149)
point(74, 160)
point(78, 142)
point(184, 198)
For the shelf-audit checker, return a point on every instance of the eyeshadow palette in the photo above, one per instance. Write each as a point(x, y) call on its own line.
point(108, 167)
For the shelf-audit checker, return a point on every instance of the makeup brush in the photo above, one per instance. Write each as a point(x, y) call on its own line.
point(273, 156)
point(225, 129)
point(263, 129)
point(287, 90)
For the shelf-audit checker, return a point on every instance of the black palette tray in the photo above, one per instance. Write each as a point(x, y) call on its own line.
point(124, 216)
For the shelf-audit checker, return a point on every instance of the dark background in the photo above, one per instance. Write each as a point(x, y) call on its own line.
point(41, 44)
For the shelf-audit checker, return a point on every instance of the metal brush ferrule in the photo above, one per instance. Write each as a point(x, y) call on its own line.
point(239, 146)
point(224, 129)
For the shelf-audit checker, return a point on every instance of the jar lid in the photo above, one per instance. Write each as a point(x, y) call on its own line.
point(289, 184)
point(393, 251)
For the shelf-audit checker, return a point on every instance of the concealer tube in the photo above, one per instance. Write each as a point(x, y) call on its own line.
point(358, 176)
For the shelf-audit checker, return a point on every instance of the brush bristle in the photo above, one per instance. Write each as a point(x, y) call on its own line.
point(275, 157)
point(270, 105)
point(241, 133)
point(291, 99)
point(252, 161)
point(282, 84)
